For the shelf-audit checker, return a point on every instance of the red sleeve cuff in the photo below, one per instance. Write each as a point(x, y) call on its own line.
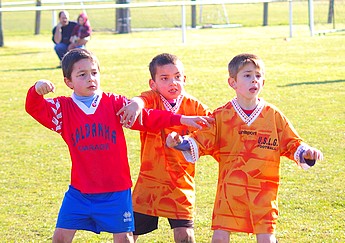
point(176, 120)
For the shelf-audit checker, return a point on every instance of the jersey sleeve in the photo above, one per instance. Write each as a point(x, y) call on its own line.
point(151, 99)
point(202, 142)
point(155, 120)
point(292, 145)
point(45, 111)
point(290, 140)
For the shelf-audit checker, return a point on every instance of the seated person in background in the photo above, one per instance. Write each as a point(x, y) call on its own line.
point(62, 34)
point(81, 32)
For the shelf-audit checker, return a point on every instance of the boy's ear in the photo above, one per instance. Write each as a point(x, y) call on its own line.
point(152, 84)
point(68, 82)
point(232, 82)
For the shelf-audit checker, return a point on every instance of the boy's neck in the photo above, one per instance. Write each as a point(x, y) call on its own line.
point(248, 105)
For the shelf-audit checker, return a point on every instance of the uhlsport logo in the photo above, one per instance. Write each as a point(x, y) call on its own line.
point(127, 217)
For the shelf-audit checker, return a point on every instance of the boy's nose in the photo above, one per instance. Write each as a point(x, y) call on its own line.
point(255, 80)
point(91, 78)
point(173, 81)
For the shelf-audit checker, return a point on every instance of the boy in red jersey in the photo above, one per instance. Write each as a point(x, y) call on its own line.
point(99, 196)
point(247, 139)
point(165, 185)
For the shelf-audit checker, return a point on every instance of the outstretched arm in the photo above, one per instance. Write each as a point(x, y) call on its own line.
point(130, 112)
point(197, 121)
point(133, 110)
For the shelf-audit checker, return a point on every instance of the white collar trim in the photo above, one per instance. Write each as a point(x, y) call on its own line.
point(92, 109)
point(245, 118)
point(167, 105)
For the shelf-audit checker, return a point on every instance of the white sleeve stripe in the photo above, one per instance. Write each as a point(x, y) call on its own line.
point(193, 154)
point(298, 154)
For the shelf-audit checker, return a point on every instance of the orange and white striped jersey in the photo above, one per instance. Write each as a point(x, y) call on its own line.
point(165, 185)
point(248, 150)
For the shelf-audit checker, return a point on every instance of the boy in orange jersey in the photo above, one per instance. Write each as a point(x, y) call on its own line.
point(165, 185)
point(247, 139)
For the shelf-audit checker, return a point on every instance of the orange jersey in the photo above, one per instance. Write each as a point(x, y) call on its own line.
point(248, 149)
point(165, 185)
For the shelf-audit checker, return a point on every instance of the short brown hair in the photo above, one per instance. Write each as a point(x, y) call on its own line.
point(74, 56)
point(161, 60)
point(240, 60)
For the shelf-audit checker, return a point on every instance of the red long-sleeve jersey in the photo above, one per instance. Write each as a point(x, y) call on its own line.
point(94, 136)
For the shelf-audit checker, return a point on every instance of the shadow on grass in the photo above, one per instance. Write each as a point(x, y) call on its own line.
point(313, 83)
point(30, 69)
point(22, 53)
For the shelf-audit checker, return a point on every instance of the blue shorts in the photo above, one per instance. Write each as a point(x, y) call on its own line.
point(109, 212)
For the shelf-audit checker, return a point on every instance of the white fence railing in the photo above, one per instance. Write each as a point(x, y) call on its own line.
point(15, 7)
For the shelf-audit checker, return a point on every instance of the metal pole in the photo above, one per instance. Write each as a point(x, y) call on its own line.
point(311, 16)
point(290, 17)
point(53, 18)
point(183, 26)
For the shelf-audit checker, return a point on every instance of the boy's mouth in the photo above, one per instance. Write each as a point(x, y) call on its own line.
point(173, 91)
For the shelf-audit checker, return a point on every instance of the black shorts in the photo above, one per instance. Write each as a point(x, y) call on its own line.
point(146, 223)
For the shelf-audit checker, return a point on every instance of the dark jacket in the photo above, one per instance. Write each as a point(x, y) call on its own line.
point(66, 32)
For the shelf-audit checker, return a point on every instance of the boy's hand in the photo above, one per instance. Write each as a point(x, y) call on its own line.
point(312, 154)
point(44, 87)
point(130, 113)
point(173, 139)
point(197, 121)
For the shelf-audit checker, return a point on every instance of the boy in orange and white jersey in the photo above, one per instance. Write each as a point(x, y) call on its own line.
point(247, 139)
point(165, 185)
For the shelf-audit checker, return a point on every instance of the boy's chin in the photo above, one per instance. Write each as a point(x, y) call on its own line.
point(171, 97)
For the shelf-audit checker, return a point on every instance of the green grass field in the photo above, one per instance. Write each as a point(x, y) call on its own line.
point(305, 78)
